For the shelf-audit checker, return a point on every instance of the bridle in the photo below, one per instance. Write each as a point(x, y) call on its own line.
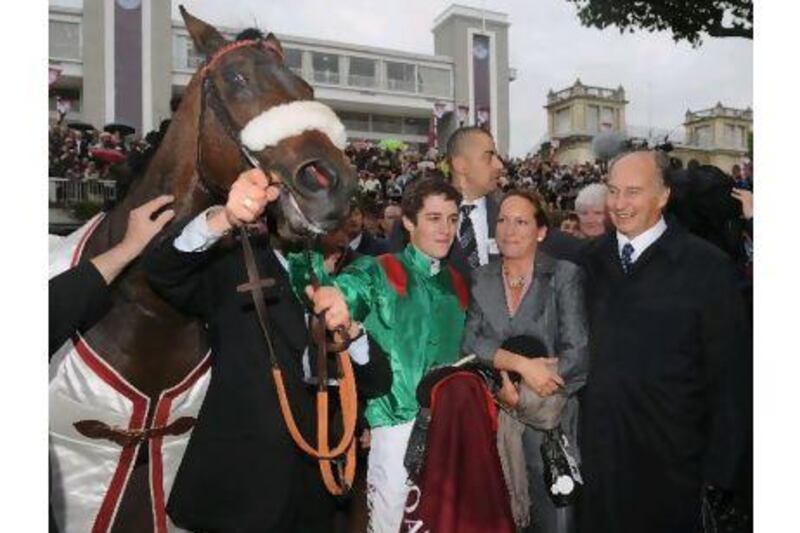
point(343, 454)
point(209, 94)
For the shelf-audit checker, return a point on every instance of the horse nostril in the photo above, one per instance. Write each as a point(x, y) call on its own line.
point(316, 176)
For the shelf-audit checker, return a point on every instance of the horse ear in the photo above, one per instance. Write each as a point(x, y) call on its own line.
point(271, 39)
point(206, 38)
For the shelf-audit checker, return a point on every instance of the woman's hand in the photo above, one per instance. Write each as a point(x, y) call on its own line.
point(541, 375)
point(508, 394)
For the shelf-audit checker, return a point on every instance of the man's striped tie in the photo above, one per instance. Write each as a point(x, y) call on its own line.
point(466, 237)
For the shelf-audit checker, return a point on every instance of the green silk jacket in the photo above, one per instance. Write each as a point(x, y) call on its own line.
point(417, 331)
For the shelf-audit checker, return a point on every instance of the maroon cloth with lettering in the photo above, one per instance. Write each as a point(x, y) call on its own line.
point(460, 487)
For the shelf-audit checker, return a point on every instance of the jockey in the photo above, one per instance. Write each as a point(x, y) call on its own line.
point(413, 305)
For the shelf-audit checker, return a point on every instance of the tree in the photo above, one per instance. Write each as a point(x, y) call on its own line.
point(687, 19)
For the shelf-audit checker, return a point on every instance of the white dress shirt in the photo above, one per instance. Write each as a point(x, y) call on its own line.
point(480, 224)
point(198, 237)
point(642, 241)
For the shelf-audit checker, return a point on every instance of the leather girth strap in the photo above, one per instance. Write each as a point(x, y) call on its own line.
point(343, 454)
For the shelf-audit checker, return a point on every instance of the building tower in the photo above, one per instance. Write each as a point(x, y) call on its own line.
point(578, 113)
point(477, 41)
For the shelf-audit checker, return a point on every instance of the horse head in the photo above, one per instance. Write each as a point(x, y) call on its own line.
point(254, 111)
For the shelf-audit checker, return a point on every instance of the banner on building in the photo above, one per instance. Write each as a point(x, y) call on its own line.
point(481, 80)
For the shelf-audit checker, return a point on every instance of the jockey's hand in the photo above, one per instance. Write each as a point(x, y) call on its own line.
point(247, 199)
point(541, 375)
point(508, 394)
point(330, 301)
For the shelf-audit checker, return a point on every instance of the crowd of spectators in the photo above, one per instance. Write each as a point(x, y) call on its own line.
point(72, 152)
point(384, 173)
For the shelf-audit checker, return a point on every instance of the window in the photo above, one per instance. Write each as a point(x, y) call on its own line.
point(65, 40)
point(563, 121)
point(400, 76)
point(702, 136)
point(434, 81)
point(354, 121)
point(592, 118)
point(415, 126)
point(293, 58)
point(362, 72)
point(386, 124)
point(326, 67)
point(607, 118)
point(192, 57)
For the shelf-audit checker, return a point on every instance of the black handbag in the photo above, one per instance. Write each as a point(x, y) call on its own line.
point(562, 476)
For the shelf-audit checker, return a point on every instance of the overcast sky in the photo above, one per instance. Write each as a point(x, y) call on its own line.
point(547, 45)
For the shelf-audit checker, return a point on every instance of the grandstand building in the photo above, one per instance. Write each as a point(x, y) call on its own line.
point(123, 61)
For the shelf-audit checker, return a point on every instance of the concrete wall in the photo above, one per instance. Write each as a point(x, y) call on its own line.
point(450, 39)
point(161, 61)
point(93, 52)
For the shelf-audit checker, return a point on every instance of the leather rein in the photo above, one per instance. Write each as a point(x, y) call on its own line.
point(342, 456)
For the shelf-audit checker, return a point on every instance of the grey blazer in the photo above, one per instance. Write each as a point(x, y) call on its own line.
point(553, 310)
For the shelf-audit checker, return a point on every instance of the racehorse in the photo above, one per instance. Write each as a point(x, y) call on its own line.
point(145, 363)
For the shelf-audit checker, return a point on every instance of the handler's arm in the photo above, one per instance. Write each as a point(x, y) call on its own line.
point(79, 297)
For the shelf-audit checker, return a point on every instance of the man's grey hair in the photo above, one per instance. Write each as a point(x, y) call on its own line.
point(662, 164)
point(593, 195)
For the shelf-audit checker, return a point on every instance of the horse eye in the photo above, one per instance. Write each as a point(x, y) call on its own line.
point(236, 78)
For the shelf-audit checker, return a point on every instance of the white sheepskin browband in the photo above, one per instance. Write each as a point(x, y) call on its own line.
point(287, 120)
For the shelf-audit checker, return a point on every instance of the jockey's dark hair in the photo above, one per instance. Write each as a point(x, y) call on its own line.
point(249, 34)
point(418, 190)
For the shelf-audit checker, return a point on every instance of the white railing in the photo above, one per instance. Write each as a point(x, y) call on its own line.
point(63, 191)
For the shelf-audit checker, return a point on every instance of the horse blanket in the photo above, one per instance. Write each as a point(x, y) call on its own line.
point(89, 474)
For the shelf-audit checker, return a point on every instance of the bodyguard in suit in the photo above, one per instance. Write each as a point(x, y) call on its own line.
point(664, 414)
point(475, 168)
point(242, 471)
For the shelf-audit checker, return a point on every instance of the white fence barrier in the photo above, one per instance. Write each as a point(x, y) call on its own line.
point(66, 192)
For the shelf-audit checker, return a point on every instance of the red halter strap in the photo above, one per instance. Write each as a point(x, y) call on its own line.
point(235, 45)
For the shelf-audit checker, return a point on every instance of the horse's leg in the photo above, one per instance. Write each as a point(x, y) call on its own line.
point(135, 513)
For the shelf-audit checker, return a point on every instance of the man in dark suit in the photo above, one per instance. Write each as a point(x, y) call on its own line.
point(241, 470)
point(663, 414)
point(362, 241)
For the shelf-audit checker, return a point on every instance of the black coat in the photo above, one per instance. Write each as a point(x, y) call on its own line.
point(371, 245)
point(664, 400)
point(241, 470)
point(78, 298)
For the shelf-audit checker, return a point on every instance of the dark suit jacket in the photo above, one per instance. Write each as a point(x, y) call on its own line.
point(560, 245)
point(664, 401)
point(78, 298)
point(371, 245)
point(399, 238)
point(241, 470)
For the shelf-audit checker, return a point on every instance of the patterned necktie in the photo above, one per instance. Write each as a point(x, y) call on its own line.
point(466, 237)
point(627, 253)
